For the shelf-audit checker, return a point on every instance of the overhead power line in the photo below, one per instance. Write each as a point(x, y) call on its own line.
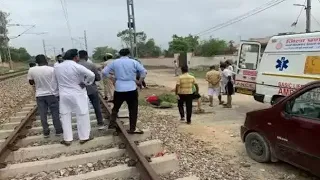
point(24, 32)
point(253, 12)
point(294, 24)
point(66, 16)
point(314, 18)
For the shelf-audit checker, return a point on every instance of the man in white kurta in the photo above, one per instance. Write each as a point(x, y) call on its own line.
point(72, 78)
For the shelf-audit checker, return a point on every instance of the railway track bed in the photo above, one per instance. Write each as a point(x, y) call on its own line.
point(12, 74)
point(26, 155)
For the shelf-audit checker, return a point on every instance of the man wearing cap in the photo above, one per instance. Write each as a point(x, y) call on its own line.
point(72, 79)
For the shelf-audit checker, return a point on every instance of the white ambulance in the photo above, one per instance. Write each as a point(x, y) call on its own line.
point(288, 62)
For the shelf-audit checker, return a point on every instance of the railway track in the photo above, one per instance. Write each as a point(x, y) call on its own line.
point(12, 74)
point(112, 154)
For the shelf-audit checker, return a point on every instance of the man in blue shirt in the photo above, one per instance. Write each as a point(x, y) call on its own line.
point(125, 71)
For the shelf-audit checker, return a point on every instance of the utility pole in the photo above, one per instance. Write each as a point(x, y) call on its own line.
point(44, 48)
point(85, 40)
point(132, 28)
point(8, 49)
point(308, 16)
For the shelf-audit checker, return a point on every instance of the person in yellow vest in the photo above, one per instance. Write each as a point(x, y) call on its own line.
point(185, 93)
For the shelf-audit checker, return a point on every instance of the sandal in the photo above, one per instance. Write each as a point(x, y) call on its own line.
point(135, 132)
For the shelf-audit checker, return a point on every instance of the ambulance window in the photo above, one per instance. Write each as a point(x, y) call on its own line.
point(249, 56)
point(306, 105)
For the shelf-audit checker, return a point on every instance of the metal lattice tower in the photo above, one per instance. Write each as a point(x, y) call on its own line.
point(132, 28)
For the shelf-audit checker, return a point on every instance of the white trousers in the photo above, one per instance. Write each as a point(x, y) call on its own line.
point(83, 126)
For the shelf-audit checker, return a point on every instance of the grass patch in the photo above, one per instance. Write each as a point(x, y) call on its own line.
point(168, 97)
point(167, 100)
point(142, 102)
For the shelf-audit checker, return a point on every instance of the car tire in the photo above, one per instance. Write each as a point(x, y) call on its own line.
point(257, 148)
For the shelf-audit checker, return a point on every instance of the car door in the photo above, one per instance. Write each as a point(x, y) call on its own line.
point(246, 70)
point(302, 125)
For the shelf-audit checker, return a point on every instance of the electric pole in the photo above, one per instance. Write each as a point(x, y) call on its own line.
point(132, 28)
point(308, 16)
point(8, 49)
point(85, 40)
point(44, 48)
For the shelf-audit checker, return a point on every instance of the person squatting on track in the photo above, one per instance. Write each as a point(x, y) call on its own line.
point(213, 77)
point(185, 93)
point(92, 89)
point(108, 82)
point(72, 79)
point(42, 76)
point(125, 70)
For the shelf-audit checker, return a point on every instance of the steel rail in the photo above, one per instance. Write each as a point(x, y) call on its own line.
point(19, 132)
point(7, 73)
point(138, 160)
point(12, 75)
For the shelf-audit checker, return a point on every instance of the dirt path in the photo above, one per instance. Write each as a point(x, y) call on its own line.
point(221, 127)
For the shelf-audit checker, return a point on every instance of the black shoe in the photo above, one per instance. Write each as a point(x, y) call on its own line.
point(135, 132)
point(189, 122)
point(84, 141)
point(46, 135)
point(182, 119)
point(66, 143)
point(112, 126)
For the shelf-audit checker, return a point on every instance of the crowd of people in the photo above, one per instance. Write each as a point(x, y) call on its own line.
point(69, 87)
point(220, 80)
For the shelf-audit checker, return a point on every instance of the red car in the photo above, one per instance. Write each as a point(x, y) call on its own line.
point(288, 131)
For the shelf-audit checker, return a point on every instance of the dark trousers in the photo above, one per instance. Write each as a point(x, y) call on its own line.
point(131, 98)
point(185, 99)
point(95, 101)
point(51, 102)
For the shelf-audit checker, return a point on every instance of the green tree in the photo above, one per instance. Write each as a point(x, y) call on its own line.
point(231, 48)
point(125, 37)
point(211, 47)
point(99, 52)
point(19, 54)
point(148, 49)
point(183, 44)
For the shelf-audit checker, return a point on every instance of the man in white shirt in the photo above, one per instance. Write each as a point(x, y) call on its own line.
point(42, 76)
point(227, 83)
point(72, 79)
point(176, 68)
point(59, 60)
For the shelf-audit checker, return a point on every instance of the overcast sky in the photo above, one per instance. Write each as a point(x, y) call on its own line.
point(159, 19)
